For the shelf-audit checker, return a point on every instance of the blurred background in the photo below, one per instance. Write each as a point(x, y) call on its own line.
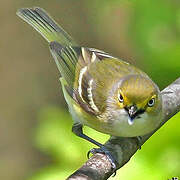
point(36, 142)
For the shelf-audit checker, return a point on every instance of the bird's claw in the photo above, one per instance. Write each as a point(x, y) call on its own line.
point(105, 151)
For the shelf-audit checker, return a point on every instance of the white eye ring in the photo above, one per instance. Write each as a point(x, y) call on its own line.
point(120, 97)
point(151, 102)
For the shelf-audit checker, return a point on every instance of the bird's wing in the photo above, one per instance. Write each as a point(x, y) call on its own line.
point(74, 64)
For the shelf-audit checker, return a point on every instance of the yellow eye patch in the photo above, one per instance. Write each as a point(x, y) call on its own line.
point(142, 104)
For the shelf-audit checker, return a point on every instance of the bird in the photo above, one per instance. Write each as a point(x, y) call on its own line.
point(102, 91)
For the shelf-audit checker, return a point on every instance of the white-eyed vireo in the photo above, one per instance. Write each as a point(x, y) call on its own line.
point(102, 91)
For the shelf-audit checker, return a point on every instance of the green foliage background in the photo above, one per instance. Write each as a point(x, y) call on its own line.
point(37, 125)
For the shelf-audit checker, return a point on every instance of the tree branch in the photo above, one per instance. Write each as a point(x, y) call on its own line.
point(98, 167)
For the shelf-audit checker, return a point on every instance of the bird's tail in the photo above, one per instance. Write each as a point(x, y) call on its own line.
point(45, 25)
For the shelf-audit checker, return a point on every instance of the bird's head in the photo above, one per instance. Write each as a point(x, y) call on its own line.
point(136, 99)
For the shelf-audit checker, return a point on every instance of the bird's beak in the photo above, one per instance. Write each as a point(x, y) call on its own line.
point(132, 110)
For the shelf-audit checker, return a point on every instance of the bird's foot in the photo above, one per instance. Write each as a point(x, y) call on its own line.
point(105, 151)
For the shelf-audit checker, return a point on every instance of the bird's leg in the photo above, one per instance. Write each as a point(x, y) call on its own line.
point(139, 141)
point(77, 129)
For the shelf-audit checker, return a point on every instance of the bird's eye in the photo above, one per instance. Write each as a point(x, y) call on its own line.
point(151, 102)
point(120, 97)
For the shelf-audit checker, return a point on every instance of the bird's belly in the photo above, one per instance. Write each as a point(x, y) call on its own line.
point(80, 116)
point(117, 127)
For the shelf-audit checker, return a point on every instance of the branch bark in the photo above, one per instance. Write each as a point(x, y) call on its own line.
point(98, 167)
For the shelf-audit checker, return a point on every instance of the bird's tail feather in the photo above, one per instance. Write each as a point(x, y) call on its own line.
point(45, 25)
